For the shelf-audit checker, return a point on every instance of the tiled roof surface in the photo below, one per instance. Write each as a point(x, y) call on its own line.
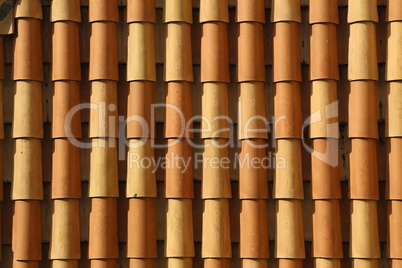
point(322, 78)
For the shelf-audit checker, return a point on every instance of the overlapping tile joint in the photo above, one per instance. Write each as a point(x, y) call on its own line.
point(101, 98)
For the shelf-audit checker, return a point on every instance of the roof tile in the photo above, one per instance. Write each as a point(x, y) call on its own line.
point(66, 170)
point(394, 169)
point(141, 52)
point(394, 55)
point(141, 240)
point(65, 10)
point(28, 9)
point(178, 11)
point(323, 11)
point(140, 11)
point(28, 50)
point(66, 51)
point(103, 10)
point(214, 10)
point(103, 231)
point(65, 230)
point(250, 11)
point(362, 10)
point(285, 11)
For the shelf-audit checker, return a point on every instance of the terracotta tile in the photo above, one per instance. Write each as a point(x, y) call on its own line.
point(179, 229)
point(103, 229)
point(28, 50)
point(141, 236)
point(27, 177)
point(141, 180)
point(179, 262)
point(289, 230)
point(289, 263)
point(215, 111)
point(25, 264)
point(362, 42)
point(287, 105)
point(325, 177)
point(324, 11)
point(251, 11)
point(288, 182)
point(394, 114)
point(393, 190)
point(141, 11)
point(103, 168)
point(66, 97)
point(327, 236)
point(66, 175)
point(321, 263)
point(285, 11)
point(27, 231)
point(142, 263)
point(213, 10)
point(28, 121)
point(363, 95)
point(393, 11)
point(324, 105)
point(103, 10)
point(214, 52)
point(363, 170)
point(28, 9)
point(286, 52)
point(324, 52)
point(65, 242)
point(178, 53)
point(360, 10)
point(178, 11)
point(364, 230)
point(253, 179)
point(141, 52)
point(65, 263)
point(103, 51)
point(63, 10)
point(179, 110)
point(103, 110)
point(251, 66)
point(217, 263)
point(216, 229)
point(105, 263)
point(66, 51)
point(215, 173)
point(254, 229)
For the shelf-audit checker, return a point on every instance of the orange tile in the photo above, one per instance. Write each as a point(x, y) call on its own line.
point(214, 52)
point(323, 11)
point(106, 263)
point(254, 229)
point(363, 110)
point(289, 263)
point(214, 10)
point(141, 11)
point(394, 169)
point(103, 231)
point(253, 179)
point(324, 52)
point(141, 263)
point(287, 105)
point(28, 50)
point(27, 231)
point(251, 11)
point(286, 60)
point(66, 97)
point(26, 264)
point(103, 10)
point(251, 65)
point(285, 11)
point(362, 11)
point(103, 51)
point(363, 169)
point(179, 174)
point(28, 9)
point(178, 11)
point(327, 234)
point(66, 170)
point(216, 263)
point(325, 177)
point(394, 11)
point(141, 235)
point(66, 51)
